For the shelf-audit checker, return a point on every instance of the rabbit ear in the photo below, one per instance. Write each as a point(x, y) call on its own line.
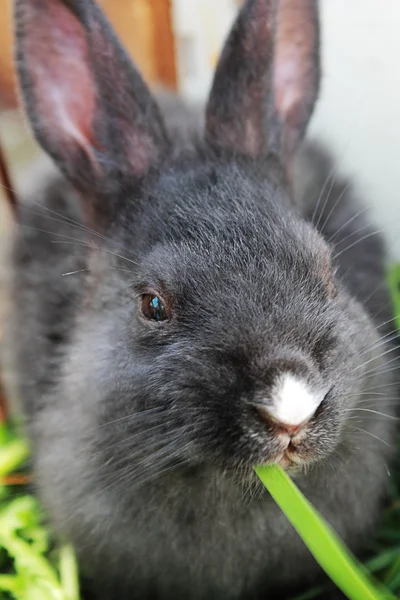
point(88, 105)
point(267, 79)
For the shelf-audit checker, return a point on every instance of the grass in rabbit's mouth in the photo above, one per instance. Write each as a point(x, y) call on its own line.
point(34, 567)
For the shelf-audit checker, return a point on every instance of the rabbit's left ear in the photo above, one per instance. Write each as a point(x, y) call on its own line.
point(267, 79)
point(87, 103)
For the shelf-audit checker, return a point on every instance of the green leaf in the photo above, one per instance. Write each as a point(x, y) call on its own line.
point(10, 583)
point(12, 456)
point(20, 513)
point(320, 539)
point(29, 565)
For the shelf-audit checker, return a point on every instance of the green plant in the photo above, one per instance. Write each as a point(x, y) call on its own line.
point(320, 539)
point(30, 568)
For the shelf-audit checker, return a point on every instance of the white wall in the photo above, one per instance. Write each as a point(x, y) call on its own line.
point(359, 109)
point(200, 27)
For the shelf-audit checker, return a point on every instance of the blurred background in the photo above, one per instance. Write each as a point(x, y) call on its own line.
point(176, 43)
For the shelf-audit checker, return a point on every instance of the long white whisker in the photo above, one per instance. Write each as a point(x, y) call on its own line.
point(376, 358)
point(353, 233)
point(341, 195)
point(379, 370)
point(376, 412)
point(317, 205)
point(327, 196)
point(141, 413)
point(371, 434)
point(386, 339)
point(348, 222)
point(361, 239)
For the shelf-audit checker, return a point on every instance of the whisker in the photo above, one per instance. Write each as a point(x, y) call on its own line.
point(69, 221)
point(317, 205)
point(89, 243)
point(371, 434)
point(376, 412)
point(380, 387)
point(327, 195)
point(79, 242)
point(346, 224)
point(153, 458)
point(376, 358)
point(386, 401)
point(385, 340)
point(353, 233)
point(93, 246)
point(382, 308)
point(357, 394)
point(341, 195)
point(379, 325)
point(379, 370)
point(361, 239)
point(374, 373)
point(141, 413)
point(134, 436)
point(74, 272)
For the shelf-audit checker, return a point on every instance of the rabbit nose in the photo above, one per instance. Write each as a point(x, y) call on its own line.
point(279, 426)
point(291, 403)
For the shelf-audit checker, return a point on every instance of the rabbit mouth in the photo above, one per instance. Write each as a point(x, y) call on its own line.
point(291, 460)
point(293, 455)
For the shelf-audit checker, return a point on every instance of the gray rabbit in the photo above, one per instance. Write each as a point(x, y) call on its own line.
point(185, 306)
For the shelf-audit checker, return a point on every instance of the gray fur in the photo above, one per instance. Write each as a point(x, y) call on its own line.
point(196, 532)
point(144, 435)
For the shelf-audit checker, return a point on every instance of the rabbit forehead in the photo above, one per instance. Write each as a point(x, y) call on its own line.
point(220, 201)
point(212, 224)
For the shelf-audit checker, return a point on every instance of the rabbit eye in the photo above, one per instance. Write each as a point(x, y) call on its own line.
point(153, 308)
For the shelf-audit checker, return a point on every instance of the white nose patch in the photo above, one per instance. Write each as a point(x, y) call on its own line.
point(292, 402)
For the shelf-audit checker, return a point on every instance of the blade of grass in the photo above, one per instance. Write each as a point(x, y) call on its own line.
point(69, 573)
point(393, 573)
point(320, 539)
point(383, 559)
point(395, 584)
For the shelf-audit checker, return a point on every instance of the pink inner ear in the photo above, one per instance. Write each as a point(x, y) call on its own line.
point(294, 79)
point(58, 63)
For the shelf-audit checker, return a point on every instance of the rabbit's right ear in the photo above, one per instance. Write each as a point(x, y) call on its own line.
point(88, 105)
point(267, 79)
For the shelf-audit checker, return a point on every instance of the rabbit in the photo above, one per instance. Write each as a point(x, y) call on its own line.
point(181, 311)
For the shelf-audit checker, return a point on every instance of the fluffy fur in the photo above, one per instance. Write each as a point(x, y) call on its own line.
point(144, 434)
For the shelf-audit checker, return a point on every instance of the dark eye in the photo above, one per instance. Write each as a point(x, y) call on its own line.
point(153, 308)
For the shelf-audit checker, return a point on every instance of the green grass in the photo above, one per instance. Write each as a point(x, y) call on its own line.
point(31, 567)
point(34, 567)
point(343, 569)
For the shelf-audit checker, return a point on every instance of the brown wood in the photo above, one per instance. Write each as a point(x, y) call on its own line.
point(16, 479)
point(8, 96)
point(132, 20)
point(6, 182)
point(164, 43)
